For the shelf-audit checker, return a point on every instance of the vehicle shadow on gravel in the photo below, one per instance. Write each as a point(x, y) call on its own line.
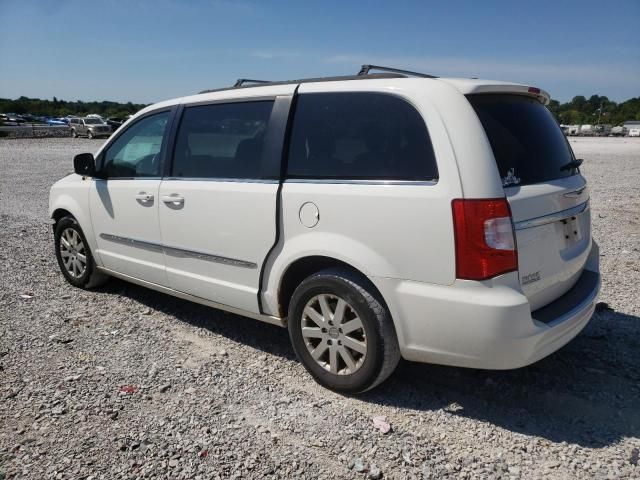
point(588, 393)
point(259, 335)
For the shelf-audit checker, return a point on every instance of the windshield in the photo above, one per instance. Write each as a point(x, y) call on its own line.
point(527, 142)
point(92, 121)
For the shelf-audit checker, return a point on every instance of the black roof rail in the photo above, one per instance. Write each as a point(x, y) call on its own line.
point(389, 73)
point(241, 81)
point(364, 70)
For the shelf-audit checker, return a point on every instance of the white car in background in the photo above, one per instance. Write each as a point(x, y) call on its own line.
point(377, 216)
point(634, 132)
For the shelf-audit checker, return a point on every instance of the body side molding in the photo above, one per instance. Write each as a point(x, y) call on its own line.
point(179, 252)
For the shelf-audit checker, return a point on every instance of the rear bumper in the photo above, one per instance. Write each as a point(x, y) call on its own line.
point(486, 324)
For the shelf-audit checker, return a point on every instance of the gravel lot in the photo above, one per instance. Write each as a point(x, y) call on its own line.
point(124, 382)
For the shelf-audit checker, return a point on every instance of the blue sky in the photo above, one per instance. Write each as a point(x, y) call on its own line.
point(146, 51)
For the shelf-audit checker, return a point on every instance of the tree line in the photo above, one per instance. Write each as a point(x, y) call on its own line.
point(596, 109)
point(578, 111)
point(61, 108)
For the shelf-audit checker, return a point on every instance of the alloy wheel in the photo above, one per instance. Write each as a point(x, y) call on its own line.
point(334, 334)
point(73, 252)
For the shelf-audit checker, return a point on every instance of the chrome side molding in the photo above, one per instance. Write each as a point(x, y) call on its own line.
point(181, 252)
point(338, 181)
point(178, 252)
point(132, 242)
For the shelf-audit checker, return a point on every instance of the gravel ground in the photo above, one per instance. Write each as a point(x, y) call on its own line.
point(34, 131)
point(124, 382)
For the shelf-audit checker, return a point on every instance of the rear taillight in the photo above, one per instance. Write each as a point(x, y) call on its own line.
point(485, 244)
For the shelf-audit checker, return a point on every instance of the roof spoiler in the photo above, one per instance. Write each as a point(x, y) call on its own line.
point(535, 92)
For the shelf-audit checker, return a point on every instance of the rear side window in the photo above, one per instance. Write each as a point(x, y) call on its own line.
point(358, 135)
point(221, 140)
point(527, 142)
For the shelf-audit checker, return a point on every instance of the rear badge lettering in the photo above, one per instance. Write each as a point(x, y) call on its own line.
point(531, 278)
point(511, 178)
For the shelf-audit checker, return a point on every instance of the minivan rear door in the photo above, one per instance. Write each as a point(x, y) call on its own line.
point(549, 199)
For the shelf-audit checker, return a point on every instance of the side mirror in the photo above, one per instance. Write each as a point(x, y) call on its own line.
point(84, 164)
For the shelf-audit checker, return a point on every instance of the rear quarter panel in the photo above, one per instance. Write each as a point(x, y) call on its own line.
point(402, 231)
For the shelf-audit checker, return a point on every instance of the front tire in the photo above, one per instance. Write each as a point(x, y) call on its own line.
point(342, 332)
point(74, 256)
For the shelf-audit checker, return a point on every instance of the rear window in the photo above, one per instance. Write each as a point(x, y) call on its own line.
point(359, 136)
point(527, 142)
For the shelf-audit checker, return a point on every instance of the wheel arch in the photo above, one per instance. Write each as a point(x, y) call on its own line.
point(60, 213)
point(64, 204)
point(306, 266)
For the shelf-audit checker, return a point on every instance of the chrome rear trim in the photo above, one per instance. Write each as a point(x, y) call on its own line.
point(551, 218)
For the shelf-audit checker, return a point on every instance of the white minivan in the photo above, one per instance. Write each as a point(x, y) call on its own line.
point(378, 216)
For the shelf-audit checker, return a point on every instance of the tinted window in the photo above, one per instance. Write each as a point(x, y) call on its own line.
point(135, 153)
point(359, 136)
point(527, 142)
point(222, 140)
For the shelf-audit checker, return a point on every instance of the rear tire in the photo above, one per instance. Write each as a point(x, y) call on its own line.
point(74, 134)
point(342, 332)
point(74, 256)
point(90, 135)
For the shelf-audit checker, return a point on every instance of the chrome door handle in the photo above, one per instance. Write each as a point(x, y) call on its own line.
point(173, 199)
point(144, 197)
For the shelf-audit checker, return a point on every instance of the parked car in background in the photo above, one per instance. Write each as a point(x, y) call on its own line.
point(115, 122)
point(89, 127)
point(10, 119)
point(634, 132)
point(586, 130)
point(618, 132)
point(570, 130)
point(601, 130)
point(55, 122)
point(95, 115)
point(376, 216)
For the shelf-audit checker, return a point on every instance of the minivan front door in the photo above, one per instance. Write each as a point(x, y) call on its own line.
point(217, 206)
point(124, 201)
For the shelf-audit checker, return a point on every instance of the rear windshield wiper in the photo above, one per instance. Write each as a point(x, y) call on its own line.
point(573, 164)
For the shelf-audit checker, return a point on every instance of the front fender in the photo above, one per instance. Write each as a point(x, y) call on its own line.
point(72, 195)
